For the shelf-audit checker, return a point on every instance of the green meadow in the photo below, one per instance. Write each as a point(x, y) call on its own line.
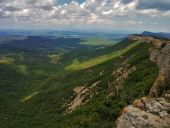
point(77, 65)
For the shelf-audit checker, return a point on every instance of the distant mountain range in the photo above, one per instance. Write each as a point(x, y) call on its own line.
point(160, 34)
point(65, 34)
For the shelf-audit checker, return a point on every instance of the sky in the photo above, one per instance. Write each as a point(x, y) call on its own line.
point(133, 15)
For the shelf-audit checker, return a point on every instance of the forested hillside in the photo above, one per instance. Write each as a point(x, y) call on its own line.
point(68, 83)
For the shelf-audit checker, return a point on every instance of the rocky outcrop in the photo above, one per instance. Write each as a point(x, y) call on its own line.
point(121, 74)
point(82, 96)
point(152, 111)
point(161, 56)
point(146, 113)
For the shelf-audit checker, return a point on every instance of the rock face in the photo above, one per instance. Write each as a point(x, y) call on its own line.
point(81, 94)
point(152, 111)
point(121, 75)
point(146, 113)
point(161, 56)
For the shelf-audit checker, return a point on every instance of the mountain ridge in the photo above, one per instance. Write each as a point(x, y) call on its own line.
point(160, 34)
point(152, 111)
point(47, 95)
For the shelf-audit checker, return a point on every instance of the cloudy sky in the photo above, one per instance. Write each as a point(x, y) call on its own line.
point(153, 15)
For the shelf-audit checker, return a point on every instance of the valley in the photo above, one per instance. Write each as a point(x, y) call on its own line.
point(69, 82)
point(84, 63)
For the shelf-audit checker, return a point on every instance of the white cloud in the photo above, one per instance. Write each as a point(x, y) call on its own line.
point(49, 12)
point(107, 12)
point(150, 12)
point(167, 14)
point(133, 22)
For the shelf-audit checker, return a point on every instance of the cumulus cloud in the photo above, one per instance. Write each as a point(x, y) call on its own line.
point(51, 12)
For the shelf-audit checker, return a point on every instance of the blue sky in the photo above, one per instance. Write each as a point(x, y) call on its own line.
point(133, 15)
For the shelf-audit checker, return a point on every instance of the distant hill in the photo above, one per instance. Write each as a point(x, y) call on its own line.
point(160, 34)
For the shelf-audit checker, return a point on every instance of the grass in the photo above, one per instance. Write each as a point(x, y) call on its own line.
point(54, 59)
point(98, 42)
point(23, 69)
point(5, 60)
point(77, 65)
point(29, 97)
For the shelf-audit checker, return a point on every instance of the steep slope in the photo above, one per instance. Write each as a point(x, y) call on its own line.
point(122, 79)
point(89, 97)
point(152, 111)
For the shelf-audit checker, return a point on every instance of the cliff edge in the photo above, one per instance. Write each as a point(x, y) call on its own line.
point(152, 111)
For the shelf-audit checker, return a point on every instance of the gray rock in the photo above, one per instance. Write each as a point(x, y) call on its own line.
point(154, 115)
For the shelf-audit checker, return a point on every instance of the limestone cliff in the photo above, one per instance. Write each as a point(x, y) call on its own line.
point(152, 111)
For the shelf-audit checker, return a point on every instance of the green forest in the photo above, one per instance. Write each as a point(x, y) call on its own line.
point(40, 82)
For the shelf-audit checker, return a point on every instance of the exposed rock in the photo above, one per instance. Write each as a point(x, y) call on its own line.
point(161, 56)
point(151, 112)
point(145, 113)
point(121, 74)
point(157, 42)
point(81, 93)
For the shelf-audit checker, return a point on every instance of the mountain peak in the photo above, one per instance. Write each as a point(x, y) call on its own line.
point(159, 34)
